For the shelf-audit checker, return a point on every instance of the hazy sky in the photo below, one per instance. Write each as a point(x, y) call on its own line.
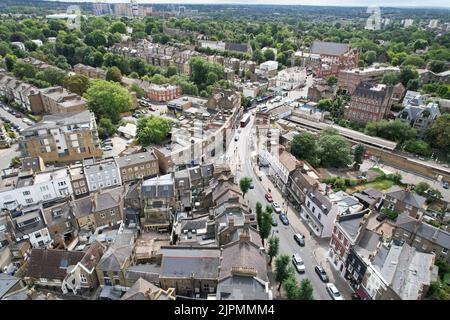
point(365, 3)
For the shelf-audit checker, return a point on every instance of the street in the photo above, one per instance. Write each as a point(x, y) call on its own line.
point(13, 119)
point(240, 155)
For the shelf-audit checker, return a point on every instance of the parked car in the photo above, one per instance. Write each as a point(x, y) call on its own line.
point(276, 207)
point(13, 112)
point(151, 109)
point(107, 148)
point(274, 220)
point(381, 217)
point(300, 239)
point(236, 138)
point(18, 115)
point(252, 186)
point(7, 120)
point(284, 219)
point(15, 126)
point(334, 292)
point(445, 185)
point(268, 197)
point(298, 263)
point(321, 273)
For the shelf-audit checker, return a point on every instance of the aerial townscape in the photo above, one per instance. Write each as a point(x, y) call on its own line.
point(223, 151)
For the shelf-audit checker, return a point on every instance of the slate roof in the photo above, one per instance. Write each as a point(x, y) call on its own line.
point(242, 253)
point(329, 48)
point(350, 222)
point(370, 90)
point(52, 264)
point(117, 253)
point(202, 263)
point(6, 283)
point(407, 197)
point(158, 187)
point(239, 287)
point(424, 230)
point(135, 158)
point(106, 199)
point(138, 290)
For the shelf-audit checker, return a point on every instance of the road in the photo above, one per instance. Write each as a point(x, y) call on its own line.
point(239, 154)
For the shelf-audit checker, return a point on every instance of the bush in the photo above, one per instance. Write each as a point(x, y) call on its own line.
point(389, 213)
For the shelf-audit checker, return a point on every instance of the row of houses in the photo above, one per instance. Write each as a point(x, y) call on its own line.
point(217, 244)
point(40, 101)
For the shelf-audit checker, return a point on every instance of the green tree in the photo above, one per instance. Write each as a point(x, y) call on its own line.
point(152, 129)
point(96, 39)
point(259, 214)
point(407, 73)
point(139, 91)
point(106, 128)
point(390, 78)
point(306, 290)
point(108, 99)
point(421, 187)
point(4, 49)
point(437, 66)
point(118, 27)
point(391, 130)
point(359, 153)
point(258, 56)
point(304, 146)
point(281, 269)
point(290, 286)
point(420, 44)
point(414, 60)
point(114, 74)
point(370, 56)
point(416, 146)
point(274, 247)
point(171, 71)
point(334, 151)
point(76, 83)
point(51, 75)
point(269, 55)
point(266, 225)
point(332, 80)
point(439, 133)
point(24, 70)
point(200, 67)
point(10, 61)
point(244, 185)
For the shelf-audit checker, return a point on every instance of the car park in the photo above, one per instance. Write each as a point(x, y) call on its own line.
point(268, 197)
point(334, 292)
point(276, 207)
point(321, 273)
point(300, 239)
point(298, 263)
point(284, 219)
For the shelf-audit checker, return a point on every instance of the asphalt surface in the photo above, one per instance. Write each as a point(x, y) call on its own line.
point(239, 154)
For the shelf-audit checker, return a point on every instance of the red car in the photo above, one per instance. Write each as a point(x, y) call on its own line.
point(268, 196)
point(18, 115)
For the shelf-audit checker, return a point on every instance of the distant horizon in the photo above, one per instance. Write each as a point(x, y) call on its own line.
point(404, 4)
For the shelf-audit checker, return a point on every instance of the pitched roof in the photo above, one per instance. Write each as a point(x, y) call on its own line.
point(243, 254)
point(135, 158)
point(407, 197)
point(51, 263)
point(424, 230)
point(237, 287)
point(6, 283)
point(329, 48)
point(202, 263)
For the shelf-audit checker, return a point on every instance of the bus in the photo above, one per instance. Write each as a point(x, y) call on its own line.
point(245, 120)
